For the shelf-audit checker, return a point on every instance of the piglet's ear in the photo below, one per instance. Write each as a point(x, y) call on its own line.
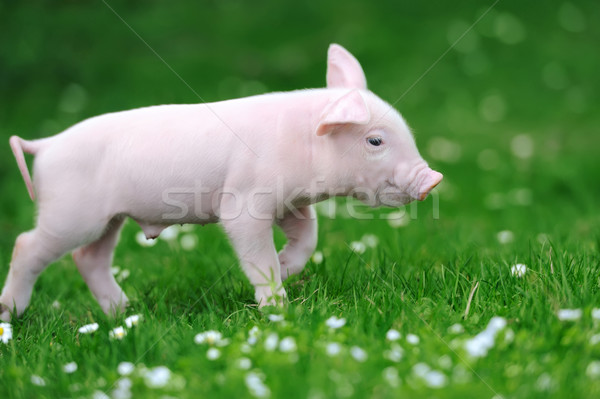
point(350, 108)
point(343, 70)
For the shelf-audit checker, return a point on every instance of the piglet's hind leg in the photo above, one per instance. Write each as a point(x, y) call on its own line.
point(94, 262)
point(33, 251)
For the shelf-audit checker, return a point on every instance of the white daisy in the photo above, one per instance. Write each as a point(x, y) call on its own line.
point(370, 240)
point(157, 377)
point(287, 344)
point(569, 314)
point(88, 328)
point(456, 328)
point(276, 318)
point(359, 354)
point(211, 337)
point(335, 323)
point(70, 368)
point(271, 342)
point(333, 349)
point(188, 241)
point(393, 335)
point(518, 270)
point(213, 354)
point(505, 237)
point(125, 368)
point(37, 380)
point(395, 353)
point(479, 345)
point(141, 239)
point(398, 218)
point(170, 233)
point(358, 247)
point(593, 369)
point(6, 332)
point(412, 339)
point(317, 258)
point(256, 386)
point(243, 363)
point(117, 333)
point(133, 320)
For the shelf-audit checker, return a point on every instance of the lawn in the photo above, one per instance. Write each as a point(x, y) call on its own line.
point(424, 301)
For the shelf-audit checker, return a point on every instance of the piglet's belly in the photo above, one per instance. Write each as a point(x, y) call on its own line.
point(158, 212)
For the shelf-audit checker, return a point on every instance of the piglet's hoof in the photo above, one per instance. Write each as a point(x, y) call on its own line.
point(4, 313)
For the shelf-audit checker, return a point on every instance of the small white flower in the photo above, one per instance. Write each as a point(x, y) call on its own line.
point(435, 379)
point(335, 323)
point(271, 342)
point(123, 275)
point(253, 335)
point(395, 354)
point(213, 354)
point(276, 318)
point(390, 374)
point(288, 344)
point(56, 305)
point(6, 332)
point(188, 241)
point(398, 218)
point(333, 349)
point(456, 328)
point(445, 361)
point(117, 333)
point(317, 258)
point(421, 369)
point(479, 345)
point(505, 237)
point(245, 348)
point(359, 354)
point(518, 270)
point(123, 389)
point(70, 368)
point(88, 328)
point(243, 363)
point(158, 377)
point(370, 240)
point(125, 368)
point(393, 335)
point(256, 386)
point(593, 369)
point(141, 239)
point(170, 233)
point(412, 339)
point(100, 395)
point(509, 336)
point(133, 320)
point(37, 380)
point(596, 313)
point(211, 337)
point(358, 247)
point(569, 314)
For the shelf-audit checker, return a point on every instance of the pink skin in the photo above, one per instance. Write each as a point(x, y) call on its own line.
point(247, 163)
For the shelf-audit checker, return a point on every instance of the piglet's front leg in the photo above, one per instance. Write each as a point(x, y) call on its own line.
point(252, 239)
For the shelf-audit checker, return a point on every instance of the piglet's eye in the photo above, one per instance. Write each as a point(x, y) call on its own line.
point(375, 141)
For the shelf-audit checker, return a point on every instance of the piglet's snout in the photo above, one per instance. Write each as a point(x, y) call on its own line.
point(428, 179)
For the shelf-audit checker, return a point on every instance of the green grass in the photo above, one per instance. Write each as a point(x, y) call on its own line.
point(419, 277)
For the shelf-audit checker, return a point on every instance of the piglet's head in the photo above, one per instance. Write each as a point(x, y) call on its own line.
point(368, 145)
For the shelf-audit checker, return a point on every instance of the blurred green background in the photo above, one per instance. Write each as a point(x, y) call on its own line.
point(509, 115)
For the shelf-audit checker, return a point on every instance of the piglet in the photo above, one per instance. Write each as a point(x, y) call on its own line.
point(248, 163)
